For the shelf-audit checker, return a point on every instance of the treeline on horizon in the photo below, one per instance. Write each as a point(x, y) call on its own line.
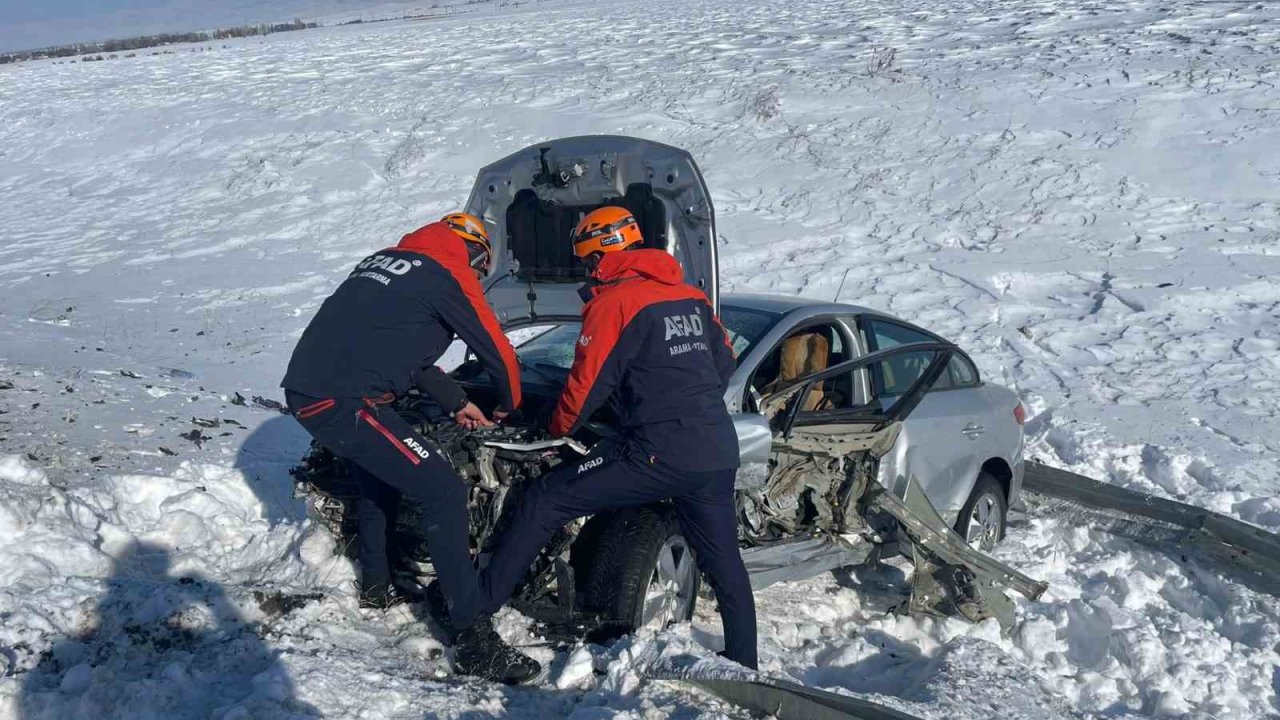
point(149, 41)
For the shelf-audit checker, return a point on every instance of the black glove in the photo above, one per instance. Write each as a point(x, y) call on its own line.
point(438, 386)
point(514, 417)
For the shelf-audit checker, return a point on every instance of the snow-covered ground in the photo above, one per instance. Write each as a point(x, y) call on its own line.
point(1082, 194)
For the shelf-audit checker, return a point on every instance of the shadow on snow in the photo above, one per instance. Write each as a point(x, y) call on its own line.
point(161, 646)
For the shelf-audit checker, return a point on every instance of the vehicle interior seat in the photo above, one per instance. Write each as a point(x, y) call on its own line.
point(804, 353)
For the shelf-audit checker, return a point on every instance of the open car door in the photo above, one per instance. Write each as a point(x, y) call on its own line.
point(792, 408)
point(531, 200)
point(950, 577)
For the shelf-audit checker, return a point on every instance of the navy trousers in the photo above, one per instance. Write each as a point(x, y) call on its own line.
point(366, 432)
point(704, 506)
point(376, 511)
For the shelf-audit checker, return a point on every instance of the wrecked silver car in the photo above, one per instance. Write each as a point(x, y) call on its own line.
point(834, 470)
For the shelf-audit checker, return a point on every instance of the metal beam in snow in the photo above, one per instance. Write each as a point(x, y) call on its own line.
point(1251, 553)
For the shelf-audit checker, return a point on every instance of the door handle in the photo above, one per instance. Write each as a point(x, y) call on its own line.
point(972, 431)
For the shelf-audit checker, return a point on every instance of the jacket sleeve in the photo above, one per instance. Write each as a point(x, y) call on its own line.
point(722, 350)
point(469, 316)
point(599, 363)
point(447, 393)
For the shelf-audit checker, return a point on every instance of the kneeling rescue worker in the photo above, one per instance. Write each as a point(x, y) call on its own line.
point(379, 335)
point(651, 344)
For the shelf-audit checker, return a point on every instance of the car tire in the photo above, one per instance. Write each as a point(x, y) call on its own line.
point(582, 556)
point(642, 574)
point(983, 518)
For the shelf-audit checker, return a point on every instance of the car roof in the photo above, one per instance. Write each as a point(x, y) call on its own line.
point(808, 307)
point(786, 304)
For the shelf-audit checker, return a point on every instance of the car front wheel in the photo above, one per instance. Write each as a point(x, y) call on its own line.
point(643, 573)
point(982, 519)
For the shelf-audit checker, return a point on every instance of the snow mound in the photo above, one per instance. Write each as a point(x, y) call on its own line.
point(107, 610)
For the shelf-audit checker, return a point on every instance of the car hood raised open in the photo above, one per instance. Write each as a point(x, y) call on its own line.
point(531, 201)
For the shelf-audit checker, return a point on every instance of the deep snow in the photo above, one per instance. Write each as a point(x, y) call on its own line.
point(1082, 194)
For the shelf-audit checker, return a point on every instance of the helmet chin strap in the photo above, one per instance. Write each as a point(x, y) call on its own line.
point(478, 256)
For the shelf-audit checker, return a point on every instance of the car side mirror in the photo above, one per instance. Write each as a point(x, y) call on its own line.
point(755, 401)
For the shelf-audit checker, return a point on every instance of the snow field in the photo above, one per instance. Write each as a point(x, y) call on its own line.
point(1082, 195)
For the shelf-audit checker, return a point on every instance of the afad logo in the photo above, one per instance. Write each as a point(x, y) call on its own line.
point(683, 325)
point(416, 448)
point(386, 263)
point(593, 463)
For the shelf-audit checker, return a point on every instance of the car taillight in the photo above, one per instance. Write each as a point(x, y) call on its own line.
point(1020, 414)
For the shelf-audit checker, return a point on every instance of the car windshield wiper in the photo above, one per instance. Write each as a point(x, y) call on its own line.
point(545, 370)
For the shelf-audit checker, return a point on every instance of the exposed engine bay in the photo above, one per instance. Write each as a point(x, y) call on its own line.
point(819, 486)
point(494, 462)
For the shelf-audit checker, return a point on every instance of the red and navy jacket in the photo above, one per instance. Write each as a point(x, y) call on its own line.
point(652, 345)
point(384, 328)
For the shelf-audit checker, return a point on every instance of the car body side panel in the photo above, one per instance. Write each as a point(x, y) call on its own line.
point(946, 460)
point(937, 451)
point(1003, 438)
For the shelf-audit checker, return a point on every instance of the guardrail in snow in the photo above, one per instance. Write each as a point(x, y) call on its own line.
point(1253, 553)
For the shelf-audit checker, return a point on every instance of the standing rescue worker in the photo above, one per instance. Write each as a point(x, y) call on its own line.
point(375, 338)
point(651, 344)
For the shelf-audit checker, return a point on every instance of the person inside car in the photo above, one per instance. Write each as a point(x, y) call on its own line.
point(651, 345)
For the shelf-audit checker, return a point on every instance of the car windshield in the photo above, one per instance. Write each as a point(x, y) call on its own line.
point(746, 326)
point(552, 351)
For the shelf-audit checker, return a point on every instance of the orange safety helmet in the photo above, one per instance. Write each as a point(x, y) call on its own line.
point(605, 230)
point(472, 231)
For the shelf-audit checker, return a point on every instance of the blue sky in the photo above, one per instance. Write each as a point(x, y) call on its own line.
point(27, 24)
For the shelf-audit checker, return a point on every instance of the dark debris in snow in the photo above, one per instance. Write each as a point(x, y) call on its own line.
point(276, 603)
point(270, 404)
point(195, 436)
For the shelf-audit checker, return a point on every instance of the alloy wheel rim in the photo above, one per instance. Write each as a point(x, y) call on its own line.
point(670, 593)
point(984, 523)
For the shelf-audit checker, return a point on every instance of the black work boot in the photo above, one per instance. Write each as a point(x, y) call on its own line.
point(480, 651)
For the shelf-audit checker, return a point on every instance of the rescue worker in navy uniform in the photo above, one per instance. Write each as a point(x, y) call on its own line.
point(378, 336)
point(651, 344)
